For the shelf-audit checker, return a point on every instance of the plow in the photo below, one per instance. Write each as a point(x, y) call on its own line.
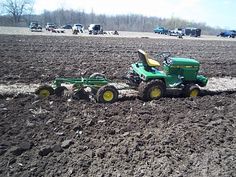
point(96, 86)
point(147, 77)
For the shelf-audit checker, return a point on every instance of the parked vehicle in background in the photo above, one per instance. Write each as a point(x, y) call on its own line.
point(176, 32)
point(50, 26)
point(161, 30)
point(193, 32)
point(229, 34)
point(95, 29)
point(77, 28)
point(35, 27)
point(67, 26)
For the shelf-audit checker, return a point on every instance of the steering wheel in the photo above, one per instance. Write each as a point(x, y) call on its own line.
point(164, 55)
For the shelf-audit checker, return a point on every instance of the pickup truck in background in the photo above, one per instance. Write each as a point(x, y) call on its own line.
point(161, 30)
point(35, 27)
point(229, 34)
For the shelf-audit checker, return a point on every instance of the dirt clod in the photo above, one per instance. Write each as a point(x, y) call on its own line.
point(44, 151)
point(57, 148)
point(65, 144)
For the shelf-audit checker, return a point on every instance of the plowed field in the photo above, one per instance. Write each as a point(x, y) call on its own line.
point(66, 137)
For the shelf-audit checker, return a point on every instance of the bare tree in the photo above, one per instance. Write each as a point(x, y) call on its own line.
point(17, 8)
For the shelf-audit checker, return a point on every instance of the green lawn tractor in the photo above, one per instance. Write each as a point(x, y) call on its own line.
point(152, 82)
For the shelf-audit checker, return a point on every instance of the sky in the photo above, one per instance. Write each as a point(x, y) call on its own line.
point(215, 13)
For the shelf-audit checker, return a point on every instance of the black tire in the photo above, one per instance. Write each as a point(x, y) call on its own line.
point(97, 76)
point(60, 91)
point(107, 94)
point(44, 91)
point(191, 90)
point(152, 90)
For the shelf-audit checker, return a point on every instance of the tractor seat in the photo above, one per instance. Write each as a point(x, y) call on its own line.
point(148, 62)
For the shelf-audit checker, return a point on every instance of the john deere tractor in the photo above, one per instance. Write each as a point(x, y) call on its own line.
point(152, 82)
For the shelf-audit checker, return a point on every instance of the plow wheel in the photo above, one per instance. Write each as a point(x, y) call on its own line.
point(44, 91)
point(152, 90)
point(107, 94)
point(191, 90)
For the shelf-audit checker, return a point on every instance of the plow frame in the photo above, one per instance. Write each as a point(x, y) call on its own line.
point(78, 83)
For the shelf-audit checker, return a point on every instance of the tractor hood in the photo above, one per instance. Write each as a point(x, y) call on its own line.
point(185, 67)
point(183, 62)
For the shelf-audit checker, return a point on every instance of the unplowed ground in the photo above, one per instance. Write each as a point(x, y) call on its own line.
point(67, 137)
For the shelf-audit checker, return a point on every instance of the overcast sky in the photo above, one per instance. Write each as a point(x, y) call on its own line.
point(216, 13)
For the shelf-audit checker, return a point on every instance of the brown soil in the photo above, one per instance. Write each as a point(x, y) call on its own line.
point(64, 137)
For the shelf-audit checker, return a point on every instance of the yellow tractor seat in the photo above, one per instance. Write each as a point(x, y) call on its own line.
point(153, 63)
point(147, 61)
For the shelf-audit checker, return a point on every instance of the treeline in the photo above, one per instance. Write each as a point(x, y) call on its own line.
point(131, 22)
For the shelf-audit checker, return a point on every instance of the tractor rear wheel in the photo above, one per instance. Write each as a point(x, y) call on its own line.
point(107, 94)
point(191, 90)
point(44, 91)
point(152, 90)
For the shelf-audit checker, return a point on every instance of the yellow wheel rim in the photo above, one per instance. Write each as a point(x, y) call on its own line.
point(155, 93)
point(108, 95)
point(44, 93)
point(194, 93)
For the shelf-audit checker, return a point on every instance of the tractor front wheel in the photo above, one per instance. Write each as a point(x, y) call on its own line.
point(191, 90)
point(44, 91)
point(152, 90)
point(107, 94)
